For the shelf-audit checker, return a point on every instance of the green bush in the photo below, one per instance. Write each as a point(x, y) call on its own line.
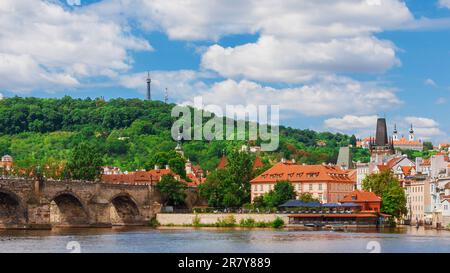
point(227, 221)
point(278, 223)
point(153, 222)
point(261, 224)
point(196, 221)
point(249, 222)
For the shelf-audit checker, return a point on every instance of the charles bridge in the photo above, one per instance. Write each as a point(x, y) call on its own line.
point(28, 203)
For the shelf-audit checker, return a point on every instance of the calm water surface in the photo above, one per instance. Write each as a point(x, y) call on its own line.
point(223, 240)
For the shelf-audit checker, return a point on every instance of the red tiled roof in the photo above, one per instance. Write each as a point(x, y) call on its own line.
point(383, 168)
point(222, 163)
point(303, 173)
point(404, 141)
point(361, 196)
point(407, 169)
point(391, 163)
point(257, 163)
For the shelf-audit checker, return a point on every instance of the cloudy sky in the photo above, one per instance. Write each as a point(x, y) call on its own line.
point(330, 65)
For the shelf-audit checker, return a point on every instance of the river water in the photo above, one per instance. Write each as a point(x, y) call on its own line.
point(212, 240)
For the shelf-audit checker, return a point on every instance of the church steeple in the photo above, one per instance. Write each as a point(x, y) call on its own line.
point(395, 135)
point(411, 133)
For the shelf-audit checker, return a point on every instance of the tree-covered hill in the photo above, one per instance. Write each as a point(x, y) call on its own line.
point(131, 133)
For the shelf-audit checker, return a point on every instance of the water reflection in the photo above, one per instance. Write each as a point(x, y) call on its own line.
point(137, 239)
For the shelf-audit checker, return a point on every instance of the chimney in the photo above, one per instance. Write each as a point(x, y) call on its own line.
point(167, 167)
point(156, 167)
point(293, 161)
point(283, 160)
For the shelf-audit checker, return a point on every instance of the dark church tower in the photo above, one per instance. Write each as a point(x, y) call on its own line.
point(381, 134)
point(382, 146)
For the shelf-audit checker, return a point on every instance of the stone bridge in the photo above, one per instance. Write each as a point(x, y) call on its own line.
point(45, 204)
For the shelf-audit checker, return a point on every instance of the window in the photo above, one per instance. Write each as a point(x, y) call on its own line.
point(310, 187)
point(261, 187)
point(320, 187)
point(320, 197)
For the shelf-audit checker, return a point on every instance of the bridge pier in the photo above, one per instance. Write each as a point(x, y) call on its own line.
point(99, 214)
point(38, 216)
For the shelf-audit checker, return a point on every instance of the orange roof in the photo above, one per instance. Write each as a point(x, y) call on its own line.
point(383, 168)
point(361, 196)
point(257, 163)
point(222, 163)
point(352, 174)
point(426, 162)
point(404, 141)
point(407, 169)
point(391, 163)
point(303, 173)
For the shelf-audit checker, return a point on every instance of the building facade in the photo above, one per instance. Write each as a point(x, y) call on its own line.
point(325, 182)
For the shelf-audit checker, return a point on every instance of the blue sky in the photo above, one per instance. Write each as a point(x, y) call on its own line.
point(339, 72)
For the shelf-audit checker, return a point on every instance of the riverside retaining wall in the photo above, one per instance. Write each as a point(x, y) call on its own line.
point(180, 219)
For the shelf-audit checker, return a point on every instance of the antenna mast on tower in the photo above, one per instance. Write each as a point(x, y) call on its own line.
point(149, 82)
point(166, 96)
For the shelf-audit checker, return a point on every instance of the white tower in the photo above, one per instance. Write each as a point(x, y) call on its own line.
point(395, 135)
point(411, 133)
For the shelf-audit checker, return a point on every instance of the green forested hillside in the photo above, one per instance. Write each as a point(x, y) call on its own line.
point(130, 133)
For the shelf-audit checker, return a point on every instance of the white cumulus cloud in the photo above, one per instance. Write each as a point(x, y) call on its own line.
point(421, 122)
point(42, 45)
point(444, 3)
point(337, 96)
point(351, 122)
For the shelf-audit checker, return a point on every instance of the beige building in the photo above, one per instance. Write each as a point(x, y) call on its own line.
point(327, 183)
point(417, 200)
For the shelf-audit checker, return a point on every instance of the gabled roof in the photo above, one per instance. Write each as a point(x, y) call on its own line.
point(257, 163)
point(406, 142)
point(303, 173)
point(222, 163)
point(407, 169)
point(361, 196)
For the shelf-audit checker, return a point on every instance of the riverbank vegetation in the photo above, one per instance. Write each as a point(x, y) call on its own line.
point(230, 222)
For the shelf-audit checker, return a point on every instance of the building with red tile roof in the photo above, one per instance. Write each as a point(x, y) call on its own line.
point(328, 183)
point(222, 163)
point(151, 177)
point(368, 201)
point(257, 163)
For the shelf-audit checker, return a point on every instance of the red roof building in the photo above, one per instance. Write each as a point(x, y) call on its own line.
point(368, 201)
point(257, 163)
point(327, 183)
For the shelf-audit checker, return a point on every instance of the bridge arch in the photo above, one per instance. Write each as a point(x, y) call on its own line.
point(67, 209)
point(124, 210)
point(12, 211)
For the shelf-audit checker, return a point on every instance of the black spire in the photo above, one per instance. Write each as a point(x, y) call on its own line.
point(381, 134)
